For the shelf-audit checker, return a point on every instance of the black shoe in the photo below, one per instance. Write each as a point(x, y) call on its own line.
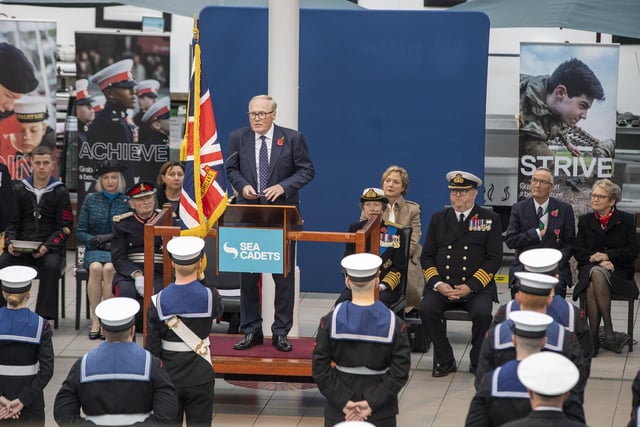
point(94, 335)
point(281, 342)
point(442, 370)
point(249, 340)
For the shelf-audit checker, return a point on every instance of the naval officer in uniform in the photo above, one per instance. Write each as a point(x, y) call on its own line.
point(461, 254)
point(118, 383)
point(26, 351)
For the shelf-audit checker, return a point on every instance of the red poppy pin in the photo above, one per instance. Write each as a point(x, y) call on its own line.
point(383, 229)
point(554, 213)
point(280, 141)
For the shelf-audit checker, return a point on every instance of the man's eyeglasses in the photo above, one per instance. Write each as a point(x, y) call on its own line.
point(459, 191)
point(599, 196)
point(258, 115)
point(540, 181)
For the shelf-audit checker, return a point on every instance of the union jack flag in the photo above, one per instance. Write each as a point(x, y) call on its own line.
point(204, 191)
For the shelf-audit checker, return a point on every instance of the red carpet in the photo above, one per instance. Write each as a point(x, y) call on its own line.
point(222, 345)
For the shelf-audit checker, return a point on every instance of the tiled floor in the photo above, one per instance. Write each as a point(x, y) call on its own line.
point(425, 401)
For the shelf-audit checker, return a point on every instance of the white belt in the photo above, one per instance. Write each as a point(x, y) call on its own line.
point(189, 338)
point(117, 419)
point(360, 370)
point(139, 257)
point(175, 346)
point(19, 370)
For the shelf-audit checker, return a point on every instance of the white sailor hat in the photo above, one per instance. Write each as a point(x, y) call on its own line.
point(31, 109)
point(82, 93)
point(117, 314)
point(529, 324)
point(117, 75)
point(98, 103)
point(548, 373)
point(371, 194)
point(16, 279)
point(148, 88)
point(160, 110)
point(185, 250)
point(462, 180)
point(543, 260)
point(361, 267)
point(535, 283)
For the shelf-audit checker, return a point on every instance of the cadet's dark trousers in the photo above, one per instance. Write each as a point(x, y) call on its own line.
point(250, 309)
point(196, 402)
point(434, 304)
point(48, 268)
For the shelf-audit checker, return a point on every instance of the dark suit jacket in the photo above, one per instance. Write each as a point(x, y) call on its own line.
point(8, 197)
point(521, 234)
point(545, 419)
point(289, 164)
point(618, 241)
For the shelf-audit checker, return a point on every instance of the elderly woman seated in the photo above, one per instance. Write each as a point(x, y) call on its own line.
point(394, 262)
point(606, 248)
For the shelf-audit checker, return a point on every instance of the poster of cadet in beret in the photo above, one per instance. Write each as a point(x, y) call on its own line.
point(567, 118)
point(27, 92)
point(131, 71)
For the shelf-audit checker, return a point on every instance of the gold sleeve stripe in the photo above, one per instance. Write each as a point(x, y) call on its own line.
point(430, 273)
point(483, 276)
point(392, 279)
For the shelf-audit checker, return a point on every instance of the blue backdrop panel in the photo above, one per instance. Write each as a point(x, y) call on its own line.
point(376, 88)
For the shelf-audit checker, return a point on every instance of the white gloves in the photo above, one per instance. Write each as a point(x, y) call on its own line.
point(382, 287)
point(140, 285)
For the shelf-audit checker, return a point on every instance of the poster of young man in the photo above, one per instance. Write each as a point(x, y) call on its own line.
point(115, 64)
point(27, 92)
point(567, 118)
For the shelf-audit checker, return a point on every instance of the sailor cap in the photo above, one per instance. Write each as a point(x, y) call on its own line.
point(543, 260)
point(462, 180)
point(530, 324)
point(185, 250)
point(361, 267)
point(117, 314)
point(535, 283)
point(16, 279)
point(548, 373)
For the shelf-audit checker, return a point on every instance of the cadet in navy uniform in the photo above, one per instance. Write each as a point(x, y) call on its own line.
point(156, 118)
point(548, 377)
point(84, 111)
point(127, 244)
point(146, 94)
point(118, 383)
point(534, 294)
point(26, 352)
point(8, 197)
point(394, 263)
point(570, 316)
point(179, 321)
point(370, 347)
point(462, 252)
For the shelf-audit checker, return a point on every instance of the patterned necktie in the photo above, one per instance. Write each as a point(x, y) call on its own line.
point(461, 220)
point(263, 165)
point(540, 215)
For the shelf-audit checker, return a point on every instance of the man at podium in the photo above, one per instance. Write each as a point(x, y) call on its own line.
point(267, 164)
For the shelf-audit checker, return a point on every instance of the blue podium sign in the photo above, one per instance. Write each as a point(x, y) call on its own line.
point(251, 250)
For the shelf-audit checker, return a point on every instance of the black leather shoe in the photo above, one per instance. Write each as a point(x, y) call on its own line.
point(442, 370)
point(249, 340)
point(281, 342)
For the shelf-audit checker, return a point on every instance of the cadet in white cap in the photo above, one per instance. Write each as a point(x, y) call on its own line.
point(84, 110)
point(549, 377)
point(370, 347)
point(541, 221)
point(98, 103)
point(461, 255)
point(179, 321)
point(534, 295)
point(117, 85)
point(501, 397)
point(394, 262)
point(572, 317)
point(26, 351)
point(157, 118)
point(32, 112)
point(147, 94)
point(134, 389)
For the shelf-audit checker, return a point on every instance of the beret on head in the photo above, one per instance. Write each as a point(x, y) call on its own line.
point(16, 72)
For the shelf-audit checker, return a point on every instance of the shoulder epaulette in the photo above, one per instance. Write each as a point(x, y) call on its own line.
point(118, 218)
point(393, 224)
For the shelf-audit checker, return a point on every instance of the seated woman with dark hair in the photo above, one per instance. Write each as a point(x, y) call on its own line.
point(170, 179)
point(394, 263)
point(94, 232)
point(606, 248)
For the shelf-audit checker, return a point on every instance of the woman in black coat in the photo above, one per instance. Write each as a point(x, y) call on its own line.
point(606, 248)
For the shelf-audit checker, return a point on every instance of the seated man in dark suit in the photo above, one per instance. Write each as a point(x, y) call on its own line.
point(461, 254)
point(542, 222)
point(43, 215)
point(394, 263)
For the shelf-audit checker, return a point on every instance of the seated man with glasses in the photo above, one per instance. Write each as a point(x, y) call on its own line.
point(44, 218)
point(462, 252)
point(541, 221)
